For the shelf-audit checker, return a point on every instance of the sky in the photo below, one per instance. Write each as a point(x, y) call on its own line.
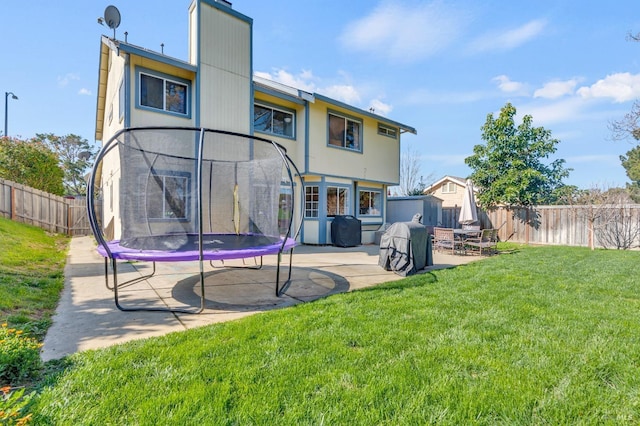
point(438, 66)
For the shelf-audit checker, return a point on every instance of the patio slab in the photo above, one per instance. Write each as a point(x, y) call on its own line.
point(87, 318)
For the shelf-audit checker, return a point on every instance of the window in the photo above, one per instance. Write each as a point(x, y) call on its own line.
point(166, 196)
point(271, 120)
point(345, 133)
point(311, 201)
point(337, 201)
point(449, 188)
point(371, 203)
point(392, 132)
point(163, 94)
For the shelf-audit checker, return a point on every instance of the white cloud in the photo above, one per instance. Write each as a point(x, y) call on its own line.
point(620, 87)
point(64, 80)
point(509, 39)
point(84, 91)
point(556, 89)
point(508, 86)
point(407, 34)
point(545, 113)
point(306, 81)
point(303, 81)
point(342, 92)
point(380, 107)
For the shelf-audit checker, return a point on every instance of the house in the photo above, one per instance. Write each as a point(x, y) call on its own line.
point(450, 189)
point(348, 157)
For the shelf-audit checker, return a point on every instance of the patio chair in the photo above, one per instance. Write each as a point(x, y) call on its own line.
point(444, 240)
point(485, 243)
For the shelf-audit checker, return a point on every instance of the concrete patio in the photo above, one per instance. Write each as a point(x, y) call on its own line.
point(87, 317)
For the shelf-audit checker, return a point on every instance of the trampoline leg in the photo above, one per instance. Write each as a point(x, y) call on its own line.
point(122, 308)
point(106, 273)
point(245, 266)
point(285, 285)
point(131, 281)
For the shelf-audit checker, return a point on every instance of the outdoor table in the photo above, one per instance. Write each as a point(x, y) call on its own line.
point(462, 234)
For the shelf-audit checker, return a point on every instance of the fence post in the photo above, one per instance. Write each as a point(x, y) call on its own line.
point(68, 219)
point(527, 226)
point(12, 207)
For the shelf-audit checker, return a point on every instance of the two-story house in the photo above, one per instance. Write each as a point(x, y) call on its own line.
point(348, 157)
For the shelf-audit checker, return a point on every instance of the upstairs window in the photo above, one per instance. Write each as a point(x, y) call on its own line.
point(391, 132)
point(272, 120)
point(345, 132)
point(449, 188)
point(164, 94)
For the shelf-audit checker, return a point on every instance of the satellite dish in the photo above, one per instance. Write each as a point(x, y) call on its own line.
point(112, 17)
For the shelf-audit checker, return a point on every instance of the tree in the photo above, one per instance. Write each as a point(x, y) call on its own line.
point(628, 126)
point(509, 170)
point(411, 181)
point(30, 163)
point(631, 163)
point(610, 219)
point(75, 155)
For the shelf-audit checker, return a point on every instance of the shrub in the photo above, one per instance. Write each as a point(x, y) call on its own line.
point(19, 355)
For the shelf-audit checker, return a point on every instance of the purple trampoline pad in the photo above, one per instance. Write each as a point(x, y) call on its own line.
point(184, 247)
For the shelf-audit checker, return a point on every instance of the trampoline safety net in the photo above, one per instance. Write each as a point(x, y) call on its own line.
point(160, 185)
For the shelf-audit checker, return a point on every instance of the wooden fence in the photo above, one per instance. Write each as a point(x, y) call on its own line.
point(614, 226)
point(47, 211)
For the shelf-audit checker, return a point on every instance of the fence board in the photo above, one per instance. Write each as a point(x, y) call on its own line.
point(47, 211)
point(556, 225)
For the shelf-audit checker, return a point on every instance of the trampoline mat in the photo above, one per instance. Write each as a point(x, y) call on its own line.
point(183, 247)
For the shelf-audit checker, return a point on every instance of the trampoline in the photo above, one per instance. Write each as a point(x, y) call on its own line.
point(176, 194)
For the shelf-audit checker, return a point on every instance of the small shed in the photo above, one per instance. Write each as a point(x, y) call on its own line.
point(402, 209)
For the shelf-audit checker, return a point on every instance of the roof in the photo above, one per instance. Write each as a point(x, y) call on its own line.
point(269, 86)
point(455, 179)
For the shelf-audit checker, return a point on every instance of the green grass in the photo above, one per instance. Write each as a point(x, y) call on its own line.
point(31, 276)
point(545, 335)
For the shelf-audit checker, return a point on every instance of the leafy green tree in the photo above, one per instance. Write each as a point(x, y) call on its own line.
point(509, 169)
point(30, 163)
point(75, 155)
point(631, 163)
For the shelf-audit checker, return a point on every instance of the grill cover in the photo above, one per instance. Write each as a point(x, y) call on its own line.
point(346, 231)
point(405, 248)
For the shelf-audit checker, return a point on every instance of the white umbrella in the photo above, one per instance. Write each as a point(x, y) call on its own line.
point(468, 212)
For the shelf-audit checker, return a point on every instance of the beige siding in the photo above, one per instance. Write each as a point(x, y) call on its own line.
point(112, 122)
point(378, 161)
point(193, 33)
point(450, 199)
point(225, 67)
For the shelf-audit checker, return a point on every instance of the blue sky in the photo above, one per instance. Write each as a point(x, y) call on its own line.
point(438, 66)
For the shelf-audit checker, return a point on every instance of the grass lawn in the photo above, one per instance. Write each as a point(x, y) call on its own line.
point(31, 276)
point(542, 335)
